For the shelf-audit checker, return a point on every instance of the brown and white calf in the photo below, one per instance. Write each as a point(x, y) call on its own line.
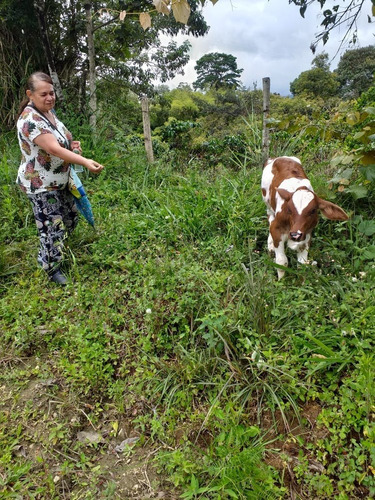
point(292, 208)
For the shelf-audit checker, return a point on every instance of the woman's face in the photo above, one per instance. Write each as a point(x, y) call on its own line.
point(43, 96)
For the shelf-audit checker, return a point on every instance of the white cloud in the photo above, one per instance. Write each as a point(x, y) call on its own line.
point(268, 38)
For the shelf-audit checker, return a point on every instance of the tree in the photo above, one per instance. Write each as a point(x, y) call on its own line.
point(133, 54)
point(39, 6)
point(18, 26)
point(217, 70)
point(355, 71)
point(124, 50)
point(316, 82)
point(339, 15)
point(321, 61)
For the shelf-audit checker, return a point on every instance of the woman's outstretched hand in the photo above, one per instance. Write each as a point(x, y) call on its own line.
point(93, 166)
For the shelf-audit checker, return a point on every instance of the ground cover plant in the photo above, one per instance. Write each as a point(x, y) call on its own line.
point(175, 365)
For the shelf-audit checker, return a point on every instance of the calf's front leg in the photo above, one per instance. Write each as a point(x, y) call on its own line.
point(302, 256)
point(302, 249)
point(280, 258)
point(276, 243)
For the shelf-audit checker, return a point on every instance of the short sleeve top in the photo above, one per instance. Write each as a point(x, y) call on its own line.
point(40, 171)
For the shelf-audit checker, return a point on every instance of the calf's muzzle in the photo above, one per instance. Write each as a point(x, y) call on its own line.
point(296, 235)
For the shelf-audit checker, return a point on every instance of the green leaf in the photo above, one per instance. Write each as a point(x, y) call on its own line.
point(342, 160)
point(231, 493)
point(369, 253)
point(367, 227)
point(357, 192)
point(327, 350)
point(359, 135)
point(311, 129)
point(368, 158)
point(194, 482)
point(345, 174)
point(353, 118)
point(253, 431)
point(368, 172)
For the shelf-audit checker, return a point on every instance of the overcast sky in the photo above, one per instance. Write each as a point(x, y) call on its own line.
point(269, 38)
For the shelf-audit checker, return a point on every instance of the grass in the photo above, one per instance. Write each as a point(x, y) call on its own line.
point(175, 330)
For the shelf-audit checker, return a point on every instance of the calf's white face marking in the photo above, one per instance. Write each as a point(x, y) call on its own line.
point(293, 184)
point(301, 200)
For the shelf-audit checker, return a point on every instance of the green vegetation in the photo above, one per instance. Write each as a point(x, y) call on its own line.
point(354, 75)
point(174, 329)
point(174, 365)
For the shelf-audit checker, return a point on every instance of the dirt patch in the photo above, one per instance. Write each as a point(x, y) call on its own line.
point(286, 434)
point(43, 420)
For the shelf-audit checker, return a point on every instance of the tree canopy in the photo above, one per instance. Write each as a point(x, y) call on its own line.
point(217, 70)
point(317, 81)
point(354, 75)
point(355, 71)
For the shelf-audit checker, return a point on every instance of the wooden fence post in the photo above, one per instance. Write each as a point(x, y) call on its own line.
point(147, 129)
point(266, 114)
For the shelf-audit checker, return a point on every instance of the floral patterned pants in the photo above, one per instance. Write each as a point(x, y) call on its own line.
point(56, 216)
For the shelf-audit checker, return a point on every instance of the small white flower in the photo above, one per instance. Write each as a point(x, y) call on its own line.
point(354, 279)
point(148, 311)
point(362, 274)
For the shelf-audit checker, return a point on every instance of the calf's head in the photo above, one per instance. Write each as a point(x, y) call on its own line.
point(301, 210)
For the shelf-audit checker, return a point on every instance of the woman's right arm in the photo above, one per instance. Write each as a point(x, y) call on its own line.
point(49, 143)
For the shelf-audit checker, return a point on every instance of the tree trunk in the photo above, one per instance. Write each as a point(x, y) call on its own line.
point(266, 114)
point(92, 68)
point(147, 129)
point(82, 90)
point(39, 9)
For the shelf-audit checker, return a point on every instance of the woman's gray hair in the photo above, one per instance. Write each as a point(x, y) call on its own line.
point(37, 76)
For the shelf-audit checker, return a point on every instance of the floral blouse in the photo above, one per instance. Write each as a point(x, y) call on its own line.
point(39, 171)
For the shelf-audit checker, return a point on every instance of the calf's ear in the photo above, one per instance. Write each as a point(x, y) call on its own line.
point(285, 195)
point(331, 211)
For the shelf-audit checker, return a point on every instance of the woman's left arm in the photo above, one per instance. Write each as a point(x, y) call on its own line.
point(49, 143)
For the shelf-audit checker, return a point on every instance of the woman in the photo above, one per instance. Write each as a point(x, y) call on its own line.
point(47, 152)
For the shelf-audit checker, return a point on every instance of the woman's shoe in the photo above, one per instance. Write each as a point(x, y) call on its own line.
point(58, 277)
